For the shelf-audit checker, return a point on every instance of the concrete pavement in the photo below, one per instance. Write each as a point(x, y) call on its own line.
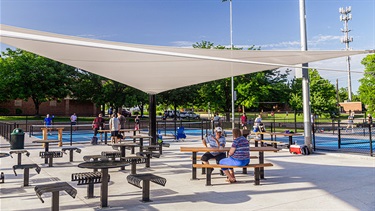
point(322, 181)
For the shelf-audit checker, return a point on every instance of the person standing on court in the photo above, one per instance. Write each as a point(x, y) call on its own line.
point(216, 140)
point(114, 126)
point(98, 124)
point(350, 121)
point(136, 123)
point(122, 119)
point(244, 121)
point(73, 120)
point(48, 123)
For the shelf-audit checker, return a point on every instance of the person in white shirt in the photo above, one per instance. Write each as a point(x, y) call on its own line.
point(114, 126)
point(73, 120)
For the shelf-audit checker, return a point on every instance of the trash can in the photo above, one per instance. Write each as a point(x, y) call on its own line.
point(17, 139)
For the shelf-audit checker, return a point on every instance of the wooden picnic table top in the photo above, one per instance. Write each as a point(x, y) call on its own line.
point(46, 141)
point(225, 149)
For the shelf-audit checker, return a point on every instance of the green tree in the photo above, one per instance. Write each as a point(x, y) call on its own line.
point(185, 96)
point(367, 87)
point(26, 75)
point(322, 95)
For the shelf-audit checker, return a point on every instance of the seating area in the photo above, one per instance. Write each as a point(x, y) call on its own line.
point(286, 176)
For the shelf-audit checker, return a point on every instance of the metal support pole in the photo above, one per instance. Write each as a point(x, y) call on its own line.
point(370, 138)
point(305, 78)
point(152, 114)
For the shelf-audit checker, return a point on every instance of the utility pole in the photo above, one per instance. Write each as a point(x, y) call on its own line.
point(305, 78)
point(231, 48)
point(345, 17)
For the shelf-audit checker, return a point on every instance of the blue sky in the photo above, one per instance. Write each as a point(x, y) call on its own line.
point(270, 24)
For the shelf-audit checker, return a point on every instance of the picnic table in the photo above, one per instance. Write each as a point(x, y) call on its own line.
point(195, 150)
point(140, 138)
point(46, 146)
point(104, 165)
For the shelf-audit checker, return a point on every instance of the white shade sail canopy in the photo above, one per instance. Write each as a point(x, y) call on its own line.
point(154, 69)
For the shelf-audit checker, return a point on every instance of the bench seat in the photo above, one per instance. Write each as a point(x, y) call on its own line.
point(50, 155)
point(210, 168)
point(55, 188)
point(88, 178)
point(136, 179)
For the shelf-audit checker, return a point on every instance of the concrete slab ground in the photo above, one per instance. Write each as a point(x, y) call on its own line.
point(322, 181)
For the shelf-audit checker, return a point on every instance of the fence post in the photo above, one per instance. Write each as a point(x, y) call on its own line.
point(339, 134)
point(370, 138)
point(313, 131)
point(202, 127)
point(165, 126)
point(333, 126)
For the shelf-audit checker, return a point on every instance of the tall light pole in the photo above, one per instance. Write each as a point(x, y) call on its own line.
point(345, 17)
point(231, 48)
point(305, 78)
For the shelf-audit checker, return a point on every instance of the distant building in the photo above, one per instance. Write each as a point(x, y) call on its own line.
point(65, 107)
point(351, 106)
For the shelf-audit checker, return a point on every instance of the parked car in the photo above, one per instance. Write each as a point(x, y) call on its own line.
point(170, 114)
point(192, 115)
point(126, 113)
point(184, 114)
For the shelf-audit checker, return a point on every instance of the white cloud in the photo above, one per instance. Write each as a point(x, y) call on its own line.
point(183, 44)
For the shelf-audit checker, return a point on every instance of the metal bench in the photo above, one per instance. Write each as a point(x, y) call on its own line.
point(26, 171)
point(134, 160)
point(148, 156)
point(112, 154)
point(136, 179)
point(71, 149)
point(19, 155)
point(88, 178)
point(210, 168)
point(55, 188)
point(50, 155)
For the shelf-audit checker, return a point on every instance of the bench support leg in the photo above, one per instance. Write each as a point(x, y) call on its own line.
point(90, 191)
point(244, 170)
point(256, 176)
point(50, 162)
point(26, 173)
point(148, 160)
point(71, 155)
point(208, 176)
point(2, 177)
point(55, 201)
point(146, 191)
point(134, 167)
point(261, 160)
point(104, 189)
point(19, 158)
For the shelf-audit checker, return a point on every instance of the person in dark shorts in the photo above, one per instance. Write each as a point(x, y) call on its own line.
point(216, 140)
point(114, 126)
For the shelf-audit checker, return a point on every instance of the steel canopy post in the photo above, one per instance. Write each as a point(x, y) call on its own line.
point(152, 118)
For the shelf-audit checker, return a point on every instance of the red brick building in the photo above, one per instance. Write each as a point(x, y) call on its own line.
point(64, 108)
point(352, 106)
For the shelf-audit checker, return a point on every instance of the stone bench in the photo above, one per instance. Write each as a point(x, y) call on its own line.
point(136, 179)
point(210, 168)
point(88, 178)
point(19, 155)
point(70, 149)
point(26, 171)
point(50, 155)
point(55, 188)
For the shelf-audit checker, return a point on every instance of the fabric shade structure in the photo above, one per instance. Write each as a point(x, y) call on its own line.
point(154, 69)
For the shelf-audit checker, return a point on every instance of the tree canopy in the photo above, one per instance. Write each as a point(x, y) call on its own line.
point(367, 87)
